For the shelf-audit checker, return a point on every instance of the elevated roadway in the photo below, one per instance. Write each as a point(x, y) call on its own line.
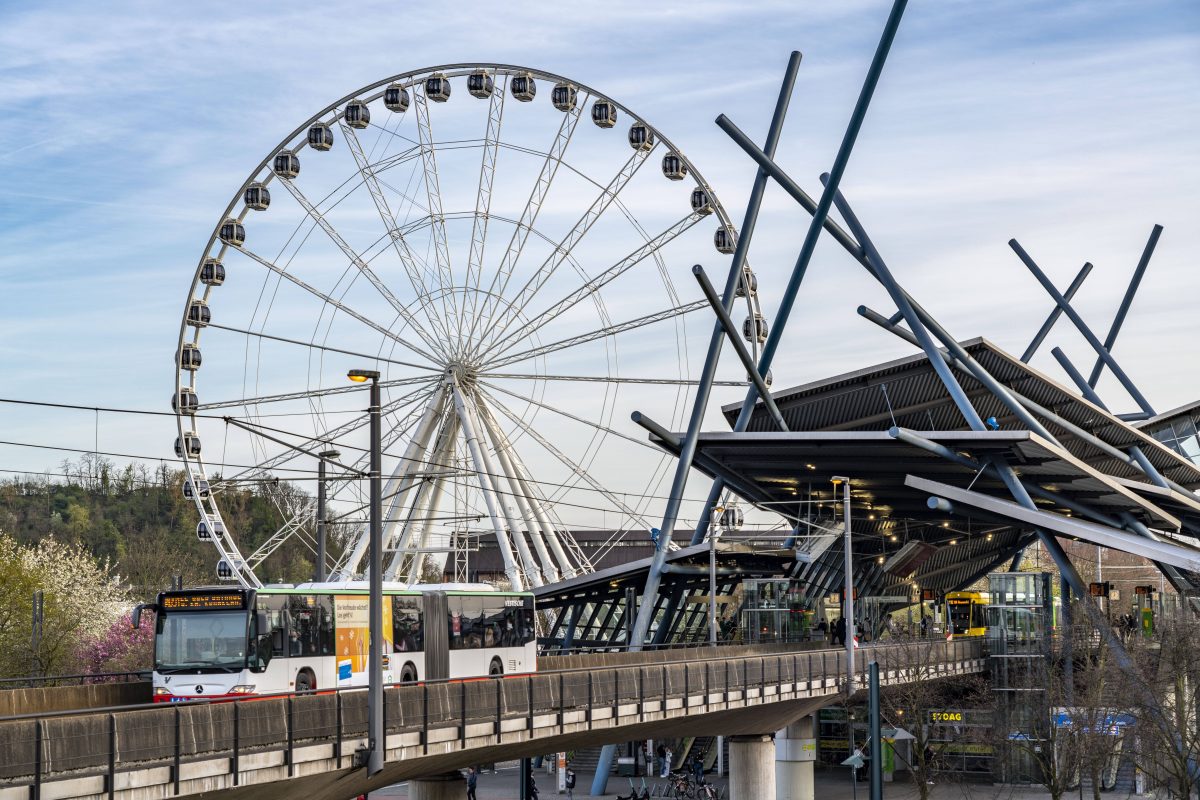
point(306, 745)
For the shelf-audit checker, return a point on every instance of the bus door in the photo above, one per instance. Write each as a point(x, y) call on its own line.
point(437, 625)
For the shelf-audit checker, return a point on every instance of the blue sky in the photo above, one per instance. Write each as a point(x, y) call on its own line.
point(1071, 126)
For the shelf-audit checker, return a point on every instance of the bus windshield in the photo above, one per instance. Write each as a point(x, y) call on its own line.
point(213, 641)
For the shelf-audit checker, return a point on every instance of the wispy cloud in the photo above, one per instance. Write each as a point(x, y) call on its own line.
point(1069, 125)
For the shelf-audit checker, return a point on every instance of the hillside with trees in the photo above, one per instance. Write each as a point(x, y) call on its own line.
point(136, 518)
point(96, 539)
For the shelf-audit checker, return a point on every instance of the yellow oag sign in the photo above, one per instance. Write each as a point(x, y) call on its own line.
point(945, 716)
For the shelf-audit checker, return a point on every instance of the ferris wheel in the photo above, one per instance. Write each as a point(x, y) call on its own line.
point(481, 236)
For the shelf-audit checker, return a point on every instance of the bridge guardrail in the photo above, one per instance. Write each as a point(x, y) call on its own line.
point(82, 679)
point(36, 748)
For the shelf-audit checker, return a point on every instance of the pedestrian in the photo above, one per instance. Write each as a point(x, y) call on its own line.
point(698, 769)
point(531, 788)
point(660, 756)
point(839, 631)
point(472, 779)
point(666, 765)
point(570, 784)
point(823, 629)
point(925, 620)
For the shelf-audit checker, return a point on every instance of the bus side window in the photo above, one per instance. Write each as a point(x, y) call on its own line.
point(304, 636)
point(406, 624)
point(325, 636)
point(454, 620)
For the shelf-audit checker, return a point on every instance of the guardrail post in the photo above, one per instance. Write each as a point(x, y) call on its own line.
point(562, 701)
point(664, 687)
point(236, 742)
point(110, 780)
point(499, 706)
point(291, 736)
point(337, 745)
point(707, 690)
point(462, 702)
point(589, 701)
point(425, 718)
point(178, 748)
point(641, 694)
point(37, 760)
point(529, 699)
point(616, 703)
point(762, 679)
point(725, 697)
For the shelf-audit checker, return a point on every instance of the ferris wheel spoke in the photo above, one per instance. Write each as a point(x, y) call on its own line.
point(433, 194)
point(307, 394)
point(570, 464)
point(339, 305)
point(483, 201)
point(533, 206)
point(533, 376)
point(399, 242)
point(357, 260)
point(591, 287)
point(591, 336)
point(572, 239)
point(331, 435)
point(326, 348)
point(590, 423)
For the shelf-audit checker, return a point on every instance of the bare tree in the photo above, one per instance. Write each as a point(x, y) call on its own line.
point(919, 705)
point(1168, 737)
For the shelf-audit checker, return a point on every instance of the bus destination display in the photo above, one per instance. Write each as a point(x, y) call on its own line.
point(180, 602)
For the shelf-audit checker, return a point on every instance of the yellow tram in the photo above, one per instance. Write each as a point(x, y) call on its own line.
point(966, 613)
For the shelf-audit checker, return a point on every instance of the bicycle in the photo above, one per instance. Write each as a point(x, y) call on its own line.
point(680, 786)
point(708, 792)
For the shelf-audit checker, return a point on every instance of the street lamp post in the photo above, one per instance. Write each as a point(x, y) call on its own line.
point(375, 740)
point(712, 575)
point(322, 457)
point(848, 586)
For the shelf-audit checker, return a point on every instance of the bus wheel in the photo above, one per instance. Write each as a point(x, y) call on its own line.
point(408, 674)
point(495, 668)
point(305, 681)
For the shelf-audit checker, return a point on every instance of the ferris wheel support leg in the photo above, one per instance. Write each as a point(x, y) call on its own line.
point(528, 564)
point(510, 566)
point(425, 498)
point(547, 527)
point(401, 481)
point(434, 494)
point(524, 506)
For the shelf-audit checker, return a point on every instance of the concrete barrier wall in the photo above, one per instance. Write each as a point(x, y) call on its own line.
point(43, 700)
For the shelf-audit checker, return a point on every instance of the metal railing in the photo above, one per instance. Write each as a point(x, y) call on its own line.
point(83, 679)
point(34, 748)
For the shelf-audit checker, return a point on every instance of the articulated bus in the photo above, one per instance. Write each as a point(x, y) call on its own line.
point(222, 642)
point(966, 613)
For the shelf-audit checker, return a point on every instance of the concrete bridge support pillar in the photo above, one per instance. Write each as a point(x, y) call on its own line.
point(795, 752)
point(751, 767)
point(450, 786)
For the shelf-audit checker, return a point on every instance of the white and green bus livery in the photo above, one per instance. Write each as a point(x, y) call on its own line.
point(222, 642)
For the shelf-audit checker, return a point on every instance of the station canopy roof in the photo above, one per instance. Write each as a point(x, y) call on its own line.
point(843, 426)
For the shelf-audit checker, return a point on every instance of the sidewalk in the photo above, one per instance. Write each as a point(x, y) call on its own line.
point(830, 785)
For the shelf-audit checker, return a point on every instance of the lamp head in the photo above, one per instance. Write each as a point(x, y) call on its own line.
point(363, 375)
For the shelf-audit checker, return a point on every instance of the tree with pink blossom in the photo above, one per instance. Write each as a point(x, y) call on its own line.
point(121, 648)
